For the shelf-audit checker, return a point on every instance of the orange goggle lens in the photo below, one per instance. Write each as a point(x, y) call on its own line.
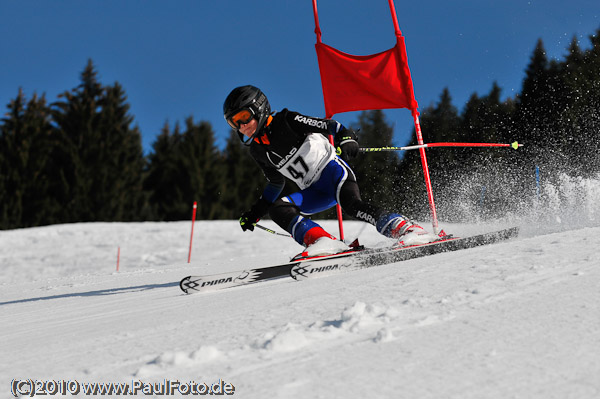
point(240, 118)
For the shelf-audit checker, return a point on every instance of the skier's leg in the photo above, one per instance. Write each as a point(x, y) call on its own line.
point(389, 224)
point(386, 223)
point(287, 215)
point(288, 212)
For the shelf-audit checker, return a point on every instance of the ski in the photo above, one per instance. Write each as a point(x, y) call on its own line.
point(219, 281)
point(213, 282)
point(376, 257)
point(353, 259)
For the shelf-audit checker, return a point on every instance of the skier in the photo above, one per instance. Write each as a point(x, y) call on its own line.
point(292, 145)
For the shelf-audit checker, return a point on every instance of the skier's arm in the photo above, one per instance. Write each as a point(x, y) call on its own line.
point(274, 187)
point(272, 191)
point(346, 143)
point(309, 124)
point(345, 139)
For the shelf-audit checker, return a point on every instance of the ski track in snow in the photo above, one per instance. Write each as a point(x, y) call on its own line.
point(516, 319)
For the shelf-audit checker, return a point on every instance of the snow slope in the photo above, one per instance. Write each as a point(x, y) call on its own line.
point(519, 319)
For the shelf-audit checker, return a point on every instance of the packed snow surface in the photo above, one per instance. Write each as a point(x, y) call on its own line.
point(518, 319)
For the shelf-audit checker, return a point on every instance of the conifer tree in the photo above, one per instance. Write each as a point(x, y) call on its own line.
point(162, 172)
point(485, 119)
point(186, 167)
point(244, 178)
point(534, 102)
point(439, 122)
point(123, 161)
point(591, 112)
point(376, 172)
point(104, 161)
point(484, 171)
point(25, 163)
point(203, 167)
point(581, 118)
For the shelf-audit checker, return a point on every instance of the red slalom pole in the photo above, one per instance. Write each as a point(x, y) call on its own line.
point(434, 219)
point(515, 145)
point(192, 233)
point(338, 208)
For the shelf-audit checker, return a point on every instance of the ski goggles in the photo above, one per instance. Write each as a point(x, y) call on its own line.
point(240, 118)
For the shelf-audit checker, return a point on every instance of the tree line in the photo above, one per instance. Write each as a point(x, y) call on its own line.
point(556, 116)
point(80, 158)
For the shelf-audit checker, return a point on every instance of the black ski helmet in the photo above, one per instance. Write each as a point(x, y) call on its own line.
point(248, 97)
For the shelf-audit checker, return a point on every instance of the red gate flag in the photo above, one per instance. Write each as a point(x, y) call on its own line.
point(357, 83)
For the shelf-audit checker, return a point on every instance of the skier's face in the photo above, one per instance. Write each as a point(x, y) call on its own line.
point(248, 129)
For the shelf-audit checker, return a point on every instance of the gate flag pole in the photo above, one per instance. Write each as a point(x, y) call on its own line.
point(377, 81)
point(400, 46)
point(338, 208)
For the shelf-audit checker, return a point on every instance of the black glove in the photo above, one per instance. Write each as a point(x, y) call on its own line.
point(347, 144)
point(249, 219)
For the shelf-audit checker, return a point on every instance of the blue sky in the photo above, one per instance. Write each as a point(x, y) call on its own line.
point(179, 58)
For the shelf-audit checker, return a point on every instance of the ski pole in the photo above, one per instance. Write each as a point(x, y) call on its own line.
point(515, 145)
point(268, 230)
